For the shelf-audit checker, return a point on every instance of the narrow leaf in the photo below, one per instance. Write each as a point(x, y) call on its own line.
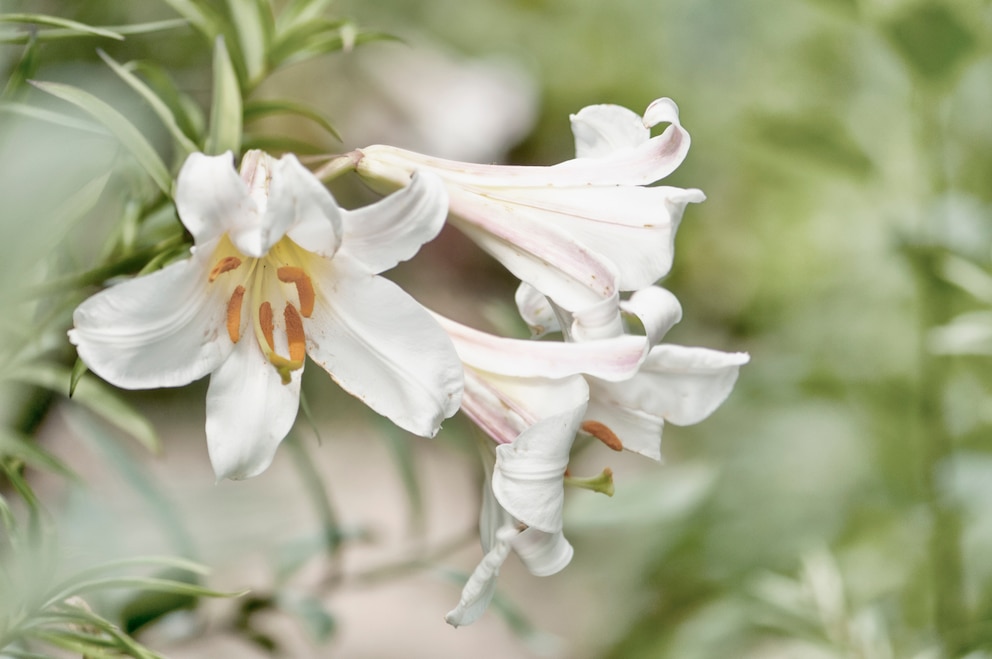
point(52, 117)
point(199, 16)
point(250, 20)
point(119, 125)
point(28, 451)
point(124, 30)
point(264, 108)
point(301, 11)
point(225, 110)
point(24, 70)
point(157, 104)
point(42, 19)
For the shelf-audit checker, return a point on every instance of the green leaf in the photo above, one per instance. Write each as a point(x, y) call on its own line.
point(118, 124)
point(252, 21)
point(200, 16)
point(185, 110)
point(225, 110)
point(291, 49)
point(932, 40)
point(93, 395)
point(142, 583)
point(24, 70)
point(49, 116)
point(28, 451)
point(157, 104)
point(301, 11)
point(263, 108)
point(41, 19)
point(123, 30)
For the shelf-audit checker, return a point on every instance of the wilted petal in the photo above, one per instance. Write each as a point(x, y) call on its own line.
point(543, 553)
point(481, 586)
point(210, 196)
point(383, 347)
point(393, 229)
point(165, 329)
point(600, 130)
point(536, 310)
point(528, 479)
point(249, 412)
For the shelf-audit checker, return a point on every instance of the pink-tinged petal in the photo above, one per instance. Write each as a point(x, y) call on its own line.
point(165, 329)
point(249, 412)
point(392, 230)
point(528, 478)
point(299, 206)
point(381, 346)
point(210, 196)
point(595, 322)
point(616, 358)
point(494, 414)
point(639, 432)
point(656, 308)
point(481, 586)
point(600, 130)
point(543, 553)
point(633, 227)
point(536, 310)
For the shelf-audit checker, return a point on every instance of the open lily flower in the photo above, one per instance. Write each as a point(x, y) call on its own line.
point(582, 230)
point(676, 384)
point(278, 272)
point(530, 398)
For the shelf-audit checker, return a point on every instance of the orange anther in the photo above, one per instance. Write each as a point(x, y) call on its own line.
point(602, 432)
point(294, 334)
point(290, 274)
point(234, 314)
point(265, 321)
point(226, 264)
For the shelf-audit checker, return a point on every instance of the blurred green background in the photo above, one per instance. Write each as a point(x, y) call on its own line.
point(838, 505)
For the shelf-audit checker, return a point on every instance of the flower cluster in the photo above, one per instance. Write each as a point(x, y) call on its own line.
point(279, 271)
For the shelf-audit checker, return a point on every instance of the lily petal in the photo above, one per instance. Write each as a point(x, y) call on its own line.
point(381, 346)
point(210, 196)
point(249, 412)
point(656, 308)
point(299, 205)
point(616, 358)
point(481, 586)
point(165, 329)
point(600, 130)
point(393, 229)
point(536, 310)
point(543, 553)
point(528, 478)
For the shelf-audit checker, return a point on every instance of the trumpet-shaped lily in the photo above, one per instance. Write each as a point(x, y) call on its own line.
point(278, 272)
point(675, 384)
point(582, 230)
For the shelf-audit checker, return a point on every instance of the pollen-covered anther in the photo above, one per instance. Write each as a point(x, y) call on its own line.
point(295, 335)
point(226, 264)
point(265, 322)
point(234, 314)
point(603, 433)
point(290, 274)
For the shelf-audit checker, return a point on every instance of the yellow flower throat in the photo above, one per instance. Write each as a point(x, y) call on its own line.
point(285, 261)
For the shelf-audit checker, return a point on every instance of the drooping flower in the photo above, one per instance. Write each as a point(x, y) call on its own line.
point(279, 272)
point(580, 231)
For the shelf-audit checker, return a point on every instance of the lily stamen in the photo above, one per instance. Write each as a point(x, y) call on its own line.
point(304, 287)
point(226, 264)
point(234, 314)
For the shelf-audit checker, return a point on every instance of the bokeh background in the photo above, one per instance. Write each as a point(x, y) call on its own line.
point(837, 505)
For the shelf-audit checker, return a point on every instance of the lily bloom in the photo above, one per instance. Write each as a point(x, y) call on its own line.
point(278, 272)
point(580, 231)
point(674, 384)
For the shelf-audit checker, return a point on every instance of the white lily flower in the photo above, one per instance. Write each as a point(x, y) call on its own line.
point(530, 398)
point(676, 384)
point(278, 272)
point(582, 230)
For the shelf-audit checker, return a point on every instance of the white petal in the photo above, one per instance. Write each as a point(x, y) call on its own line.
point(165, 329)
point(543, 553)
point(676, 384)
point(536, 310)
point(249, 412)
point(210, 196)
point(656, 308)
point(481, 586)
point(638, 431)
point(381, 346)
point(615, 358)
point(604, 129)
point(392, 230)
point(298, 205)
point(528, 479)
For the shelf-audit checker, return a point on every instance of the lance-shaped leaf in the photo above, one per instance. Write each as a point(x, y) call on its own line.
point(225, 109)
